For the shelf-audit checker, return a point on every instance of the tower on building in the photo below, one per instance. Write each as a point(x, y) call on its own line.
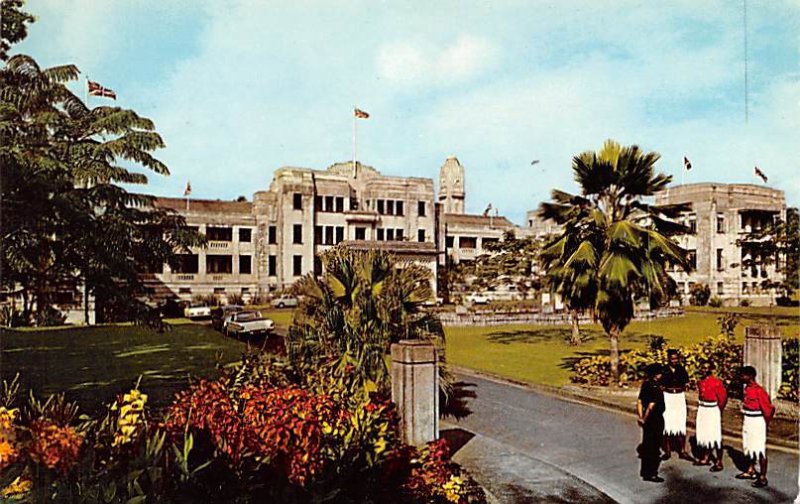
point(451, 186)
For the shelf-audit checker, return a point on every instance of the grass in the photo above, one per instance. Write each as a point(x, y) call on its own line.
point(93, 364)
point(542, 354)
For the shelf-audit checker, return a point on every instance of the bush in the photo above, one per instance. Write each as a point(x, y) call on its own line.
point(715, 302)
point(744, 303)
point(787, 301)
point(699, 294)
point(791, 363)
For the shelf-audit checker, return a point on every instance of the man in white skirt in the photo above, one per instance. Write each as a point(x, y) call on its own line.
point(674, 383)
point(758, 411)
point(712, 398)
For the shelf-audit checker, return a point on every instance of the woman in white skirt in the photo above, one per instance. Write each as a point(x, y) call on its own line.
point(758, 412)
point(712, 398)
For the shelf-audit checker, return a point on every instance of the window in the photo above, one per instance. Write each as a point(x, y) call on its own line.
point(245, 290)
point(487, 243)
point(219, 290)
point(318, 203)
point(245, 264)
point(380, 206)
point(219, 264)
point(398, 234)
point(272, 235)
point(184, 290)
point(297, 233)
point(720, 261)
point(318, 231)
point(297, 265)
point(390, 207)
point(187, 263)
point(467, 242)
point(214, 233)
point(420, 235)
point(339, 204)
point(380, 234)
point(272, 266)
point(421, 208)
point(339, 233)
point(317, 266)
point(448, 242)
point(720, 288)
point(298, 201)
point(361, 233)
point(720, 224)
point(691, 258)
point(399, 208)
point(245, 235)
point(390, 234)
point(692, 224)
point(329, 203)
point(328, 235)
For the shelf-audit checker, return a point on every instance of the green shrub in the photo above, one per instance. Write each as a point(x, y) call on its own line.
point(791, 362)
point(744, 303)
point(715, 302)
point(699, 294)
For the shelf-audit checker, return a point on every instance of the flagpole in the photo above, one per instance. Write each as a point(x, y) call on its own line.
point(86, 92)
point(355, 171)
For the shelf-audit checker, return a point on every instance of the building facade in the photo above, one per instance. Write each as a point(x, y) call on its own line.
point(721, 217)
point(266, 245)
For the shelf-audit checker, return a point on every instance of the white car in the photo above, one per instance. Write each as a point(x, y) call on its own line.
point(478, 298)
point(197, 312)
point(284, 301)
point(248, 323)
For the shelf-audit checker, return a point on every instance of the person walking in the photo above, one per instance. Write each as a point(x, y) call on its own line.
point(712, 398)
point(758, 411)
point(650, 407)
point(674, 385)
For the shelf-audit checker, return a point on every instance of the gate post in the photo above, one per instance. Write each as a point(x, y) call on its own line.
point(415, 390)
point(762, 350)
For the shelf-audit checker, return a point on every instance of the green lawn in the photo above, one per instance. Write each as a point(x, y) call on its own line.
point(93, 364)
point(542, 354)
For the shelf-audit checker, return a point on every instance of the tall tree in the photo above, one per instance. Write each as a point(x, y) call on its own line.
point(66, 221)
point(615, 246)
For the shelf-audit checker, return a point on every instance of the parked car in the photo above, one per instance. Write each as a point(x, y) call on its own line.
point(284, 301)
point(478, 298)
point(197, 312)
point(248, 323)
point(220, 315)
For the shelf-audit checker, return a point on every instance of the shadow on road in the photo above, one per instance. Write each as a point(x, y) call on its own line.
point(456, 438)
point(457, 405)
point(679, 488)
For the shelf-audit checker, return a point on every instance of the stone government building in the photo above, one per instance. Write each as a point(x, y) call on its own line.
point(265, 245)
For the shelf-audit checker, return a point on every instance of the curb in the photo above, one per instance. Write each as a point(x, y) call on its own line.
point(568, 395)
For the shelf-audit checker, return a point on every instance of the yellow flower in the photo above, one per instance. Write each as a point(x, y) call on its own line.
point(17, 488)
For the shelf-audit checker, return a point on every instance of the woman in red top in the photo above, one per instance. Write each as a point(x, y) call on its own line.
point(758, 412)
point(708, 425)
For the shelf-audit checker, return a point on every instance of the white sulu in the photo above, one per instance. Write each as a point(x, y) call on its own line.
point(708, 426)
point(674, 413)
point(754, 436)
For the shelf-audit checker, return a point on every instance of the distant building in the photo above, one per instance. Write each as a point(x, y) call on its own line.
point(538, 227)
point(268, 244)
point(721, 215)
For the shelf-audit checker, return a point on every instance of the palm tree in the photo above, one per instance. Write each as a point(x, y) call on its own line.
point(614, 247)
point(363, 302)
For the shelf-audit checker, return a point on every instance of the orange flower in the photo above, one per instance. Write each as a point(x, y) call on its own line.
point(54, 446)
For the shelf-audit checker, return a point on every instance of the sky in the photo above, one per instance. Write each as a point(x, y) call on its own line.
point(239, 88)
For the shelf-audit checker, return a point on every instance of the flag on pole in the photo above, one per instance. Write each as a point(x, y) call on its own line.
point(686, 163)
point(761, 174)
point(360, 113)
point(96, 89)
point(488, 209)
point(188, 190)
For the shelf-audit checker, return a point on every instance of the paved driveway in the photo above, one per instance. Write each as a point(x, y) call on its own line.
point(518, 442)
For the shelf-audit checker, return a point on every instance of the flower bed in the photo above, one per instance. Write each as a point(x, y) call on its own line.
point(261, 432)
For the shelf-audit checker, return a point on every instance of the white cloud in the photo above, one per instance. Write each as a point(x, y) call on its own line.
point(420, 63)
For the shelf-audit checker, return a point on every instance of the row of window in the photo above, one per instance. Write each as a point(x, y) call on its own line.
point(328, 235)
point(215, 263)
point(329, 204)
point(224, 233)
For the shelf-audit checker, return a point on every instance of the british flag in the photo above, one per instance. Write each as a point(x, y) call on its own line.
point(96, 89)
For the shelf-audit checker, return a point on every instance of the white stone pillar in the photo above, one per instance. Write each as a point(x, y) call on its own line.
point(762, 350)
point(415, 390)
